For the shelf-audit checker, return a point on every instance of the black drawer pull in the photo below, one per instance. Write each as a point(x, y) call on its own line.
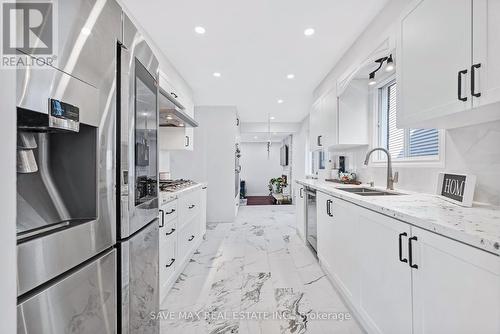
point(162, 218)
point(329, 207)
point(410, 253)
point(191, 206)
point(171, 231)
point(401, 235)
point(191, 238)
point(473, 80)
point(171, 263)
point(460, 85)
point(170, 212)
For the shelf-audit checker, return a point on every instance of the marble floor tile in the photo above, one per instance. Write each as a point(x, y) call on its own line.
point(255, 276)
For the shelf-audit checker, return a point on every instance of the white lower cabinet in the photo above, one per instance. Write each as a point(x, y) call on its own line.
point(203, 210)
point(182, 226)
point(402, 279)
point(456, 288)
point(385, 278)
point(343, 251)
point(300, 212)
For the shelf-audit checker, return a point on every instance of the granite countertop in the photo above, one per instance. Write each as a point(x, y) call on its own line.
point(168, 196)
point(478, 226)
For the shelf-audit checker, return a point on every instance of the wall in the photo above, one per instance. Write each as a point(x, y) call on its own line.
point(470, 150)
point(257, 169)
point(300, 149)
point(7, 202)
point(212, 159)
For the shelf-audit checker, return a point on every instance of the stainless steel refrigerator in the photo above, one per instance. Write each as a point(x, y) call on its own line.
point(87, 188)
point(138, 179)
point(66, 176)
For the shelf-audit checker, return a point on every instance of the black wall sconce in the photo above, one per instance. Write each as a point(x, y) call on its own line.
point(388, 68)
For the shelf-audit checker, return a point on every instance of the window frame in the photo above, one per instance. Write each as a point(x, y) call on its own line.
point(380, 160)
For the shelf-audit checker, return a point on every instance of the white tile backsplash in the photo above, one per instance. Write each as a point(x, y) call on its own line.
point(473, 150)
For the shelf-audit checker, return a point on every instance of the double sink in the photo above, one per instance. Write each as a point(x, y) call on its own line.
point(369, 192)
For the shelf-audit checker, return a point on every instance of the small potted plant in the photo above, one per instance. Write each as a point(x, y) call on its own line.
point(276, 185)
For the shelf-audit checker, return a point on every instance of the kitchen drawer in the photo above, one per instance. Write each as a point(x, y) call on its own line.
point(169, 211)
point(188, 236)
point(189, 207)
point(168, 244)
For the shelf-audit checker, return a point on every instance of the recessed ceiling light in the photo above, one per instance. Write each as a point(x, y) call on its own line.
point(280, 101)
point(290, 76)
point(216, 74)
point(199, 30)
point(181, 124)
point(272, 117)
point(309, 32)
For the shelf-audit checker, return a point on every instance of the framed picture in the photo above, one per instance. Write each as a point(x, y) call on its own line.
point(456, 188)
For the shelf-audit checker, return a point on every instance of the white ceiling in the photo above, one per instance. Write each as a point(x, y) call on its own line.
point(254, 45)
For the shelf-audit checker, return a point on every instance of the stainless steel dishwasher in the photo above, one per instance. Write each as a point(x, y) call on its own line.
point(311, 219)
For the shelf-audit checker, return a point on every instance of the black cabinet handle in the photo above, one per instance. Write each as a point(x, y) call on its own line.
point(460, 73)
point(187, 141)
point(174, 95)
point(170, 212)
point(191, 206)
point(204, 188)
point(401, 235)
point(329, 208)
point(171, 263)
point(300, 193)
point(191, 238)
point(162, 218)
point(319, 141)
point(171, 231)
point(473, 80)
point(410, 253)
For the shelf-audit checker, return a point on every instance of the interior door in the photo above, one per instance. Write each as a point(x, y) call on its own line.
point(486, 52)
point(434, 45)
point(456, 287)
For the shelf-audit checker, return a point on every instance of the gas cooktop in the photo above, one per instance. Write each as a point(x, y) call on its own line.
point(175, 185)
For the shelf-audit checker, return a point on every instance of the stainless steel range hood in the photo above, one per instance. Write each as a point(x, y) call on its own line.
point(172, 112)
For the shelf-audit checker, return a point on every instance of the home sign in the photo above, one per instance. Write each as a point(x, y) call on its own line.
point(456, 188)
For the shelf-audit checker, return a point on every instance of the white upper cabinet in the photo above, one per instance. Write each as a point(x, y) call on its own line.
point(435, 63)
point(172, 138)
point(486, 52)
point(323, 121)
point(353, 120)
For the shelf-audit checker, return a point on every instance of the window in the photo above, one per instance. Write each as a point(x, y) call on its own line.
point(402, 144)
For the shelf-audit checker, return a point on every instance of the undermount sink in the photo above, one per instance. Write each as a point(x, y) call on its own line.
point(368, 192)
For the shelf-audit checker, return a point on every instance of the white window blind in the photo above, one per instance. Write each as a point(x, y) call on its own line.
point(402, 143)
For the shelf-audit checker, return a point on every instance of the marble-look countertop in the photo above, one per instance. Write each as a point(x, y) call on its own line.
point(168, 196)
point(478, 226)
